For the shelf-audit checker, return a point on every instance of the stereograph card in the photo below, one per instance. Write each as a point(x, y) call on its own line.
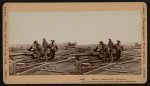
point(75, 43)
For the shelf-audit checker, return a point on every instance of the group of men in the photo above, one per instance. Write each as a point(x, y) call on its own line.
point(45, 50)
point(111, 50)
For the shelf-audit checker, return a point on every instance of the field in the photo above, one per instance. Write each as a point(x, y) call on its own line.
point(129, 63)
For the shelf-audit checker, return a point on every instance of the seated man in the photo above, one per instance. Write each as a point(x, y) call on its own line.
point(36, 49)
point(101, 48)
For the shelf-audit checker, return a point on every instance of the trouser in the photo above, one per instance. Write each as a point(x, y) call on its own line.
point(38, 55)
point(111, 55)
point(45, 54)
point(102, 55)
point(118, 55)
point(52, 55)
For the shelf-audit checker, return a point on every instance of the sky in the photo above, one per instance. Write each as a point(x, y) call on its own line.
point(84, 27)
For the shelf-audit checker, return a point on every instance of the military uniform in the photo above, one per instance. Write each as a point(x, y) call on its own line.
point(111, 48)
point(101, 48)
point(33, 48)
point(110, 45)
point(53, 48)
point(45, 49)
point(45, 45)
point(36, 49)
point(119, 49)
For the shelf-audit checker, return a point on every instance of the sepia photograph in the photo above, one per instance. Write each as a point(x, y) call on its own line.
point(79, 40)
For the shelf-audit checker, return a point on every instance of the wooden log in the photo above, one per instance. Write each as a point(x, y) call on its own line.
point(29, 66)
point(20, 63)
point(41, 69)
point(96, 61)
point(55, 71)
point(115, 71)
point(65, 60)
point(85, 54)
point(86, 64)
point(84, 60)
point(115, 68)
point(84, 57)
point(46, 69)
point(27, 61)
point(87, 59)
point(18, 57)
point(17, 54)
point(91, 66)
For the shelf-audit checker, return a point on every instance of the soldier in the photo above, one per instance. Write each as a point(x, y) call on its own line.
point(111, 48)
point(36, 49)
point(53, 48)
point(33, 49)
point(45, 48)
point(101, 48)
point(119, 49)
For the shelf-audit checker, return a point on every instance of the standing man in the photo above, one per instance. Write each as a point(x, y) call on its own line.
point(119, 49)
point(110, 48)
point(53, 48)
point(101, 48)
point(45, 48)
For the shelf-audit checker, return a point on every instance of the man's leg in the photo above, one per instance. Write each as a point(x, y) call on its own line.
point(118, 55)
point(38, 55)
point(50, 55)
point(104, 54)
point(53, 55)
point(111, 56)
point(45, 55)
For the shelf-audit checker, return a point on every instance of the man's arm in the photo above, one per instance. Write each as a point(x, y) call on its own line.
point(30, 48)
point(122, 48)
point(96, 48)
